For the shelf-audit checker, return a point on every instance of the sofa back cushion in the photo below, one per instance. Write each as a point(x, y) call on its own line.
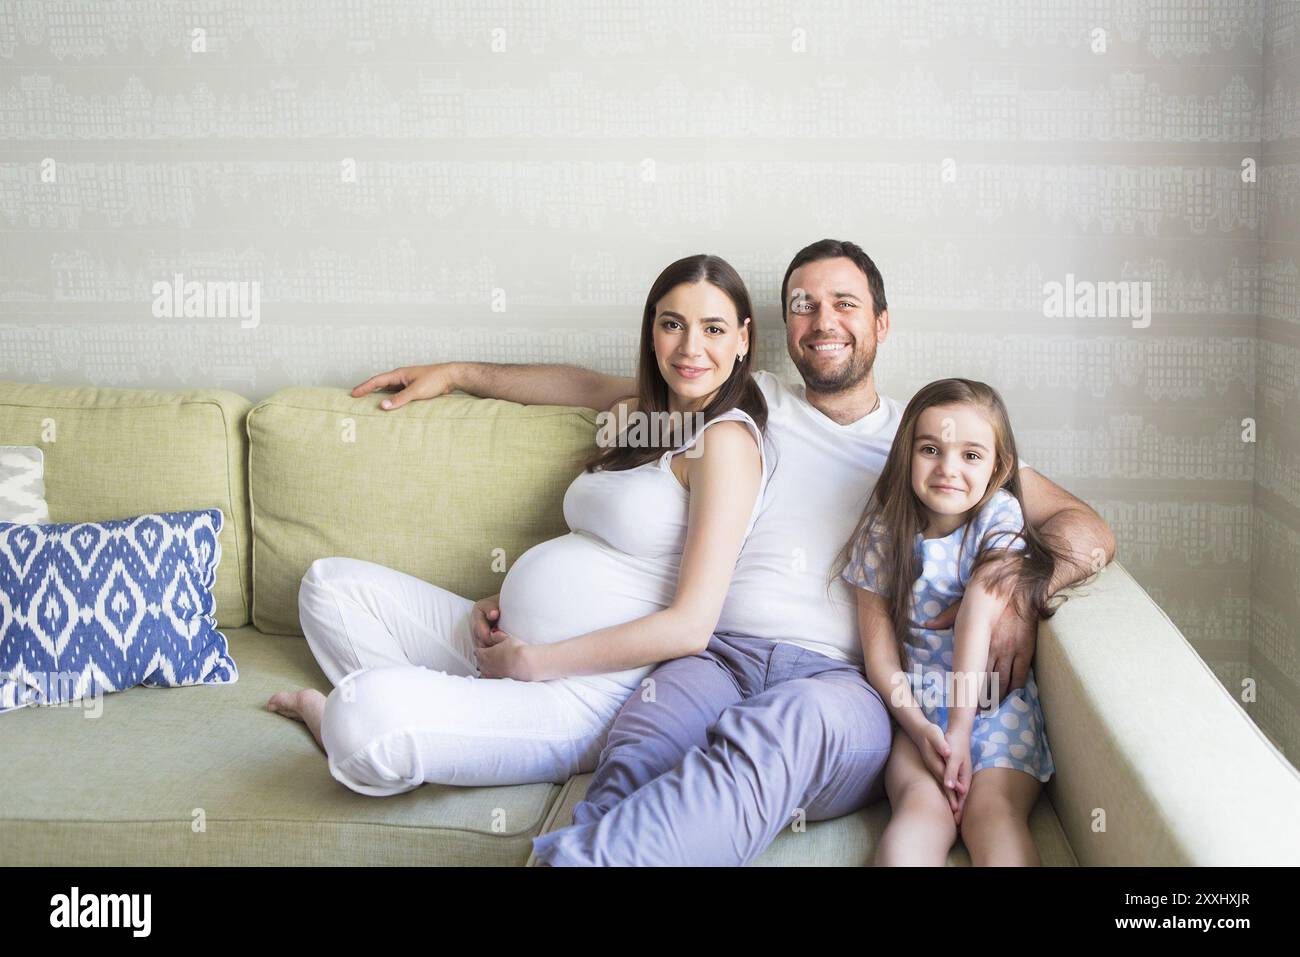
point(117, 453)
point(451, 490)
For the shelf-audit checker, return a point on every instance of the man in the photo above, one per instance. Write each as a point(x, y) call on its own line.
point(775, 720)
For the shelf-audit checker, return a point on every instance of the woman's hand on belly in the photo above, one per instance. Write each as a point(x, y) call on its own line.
point(505, 656)
point(485, 616)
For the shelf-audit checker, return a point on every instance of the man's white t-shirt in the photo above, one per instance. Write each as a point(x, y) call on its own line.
point(822, 474)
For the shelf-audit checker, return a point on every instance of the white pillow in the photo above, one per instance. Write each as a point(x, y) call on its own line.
point(22, 485)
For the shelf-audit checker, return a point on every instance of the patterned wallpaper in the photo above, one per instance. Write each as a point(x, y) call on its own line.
point(1275, 515)
point(1092, 204)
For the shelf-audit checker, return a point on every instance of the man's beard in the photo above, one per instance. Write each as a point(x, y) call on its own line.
point(848, 377)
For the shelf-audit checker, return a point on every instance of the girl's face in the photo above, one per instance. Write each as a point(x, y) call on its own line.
point(697, 339)
point(952, 458)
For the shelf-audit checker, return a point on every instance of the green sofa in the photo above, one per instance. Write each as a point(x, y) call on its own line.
point(1157, 763)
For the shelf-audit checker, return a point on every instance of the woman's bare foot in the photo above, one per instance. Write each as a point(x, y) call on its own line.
point(306, 706)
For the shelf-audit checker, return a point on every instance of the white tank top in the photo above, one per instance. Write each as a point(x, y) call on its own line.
point(618, 563)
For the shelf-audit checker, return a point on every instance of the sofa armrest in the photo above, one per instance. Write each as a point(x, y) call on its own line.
point(1142, 730)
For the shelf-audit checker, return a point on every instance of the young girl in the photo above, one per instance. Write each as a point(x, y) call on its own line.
point(945, 523)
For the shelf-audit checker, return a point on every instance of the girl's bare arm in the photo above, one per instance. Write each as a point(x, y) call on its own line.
point(883, 664)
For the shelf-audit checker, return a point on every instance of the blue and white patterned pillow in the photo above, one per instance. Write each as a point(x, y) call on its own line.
point(92, 607)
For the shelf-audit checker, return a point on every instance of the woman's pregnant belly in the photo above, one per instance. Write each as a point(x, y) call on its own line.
point(574, 584)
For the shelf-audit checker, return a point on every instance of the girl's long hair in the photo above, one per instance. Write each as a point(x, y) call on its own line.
point(900, 515)
point(739, 391)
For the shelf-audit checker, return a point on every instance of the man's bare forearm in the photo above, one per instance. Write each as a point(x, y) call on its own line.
point(1073, 529)
point(1084, 541)
point(541, 384)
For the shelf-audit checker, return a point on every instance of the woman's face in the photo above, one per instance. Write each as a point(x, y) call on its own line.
point(952, 458)
point(697, 339)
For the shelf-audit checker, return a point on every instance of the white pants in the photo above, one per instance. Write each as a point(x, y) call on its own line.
point(408, 706)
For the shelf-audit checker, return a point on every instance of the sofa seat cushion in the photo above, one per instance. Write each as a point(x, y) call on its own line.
point(848, 841)
point(129, 787)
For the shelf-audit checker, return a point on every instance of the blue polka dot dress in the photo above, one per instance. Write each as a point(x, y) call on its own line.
point(1013, 736)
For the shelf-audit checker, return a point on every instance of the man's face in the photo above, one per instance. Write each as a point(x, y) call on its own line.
point(830, 328)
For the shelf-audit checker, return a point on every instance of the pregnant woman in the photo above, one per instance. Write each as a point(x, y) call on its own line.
point(523, 687)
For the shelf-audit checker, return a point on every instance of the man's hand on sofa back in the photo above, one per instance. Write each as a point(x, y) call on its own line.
point(525, 384)
point(414, 382)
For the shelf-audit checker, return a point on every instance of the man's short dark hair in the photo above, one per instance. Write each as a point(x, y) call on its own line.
point(835, 249)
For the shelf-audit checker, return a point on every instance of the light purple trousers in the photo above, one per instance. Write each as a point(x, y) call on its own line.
point(725, 749)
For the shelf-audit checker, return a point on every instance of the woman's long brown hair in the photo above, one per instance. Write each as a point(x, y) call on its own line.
point(901, 516)
point(739, 391)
